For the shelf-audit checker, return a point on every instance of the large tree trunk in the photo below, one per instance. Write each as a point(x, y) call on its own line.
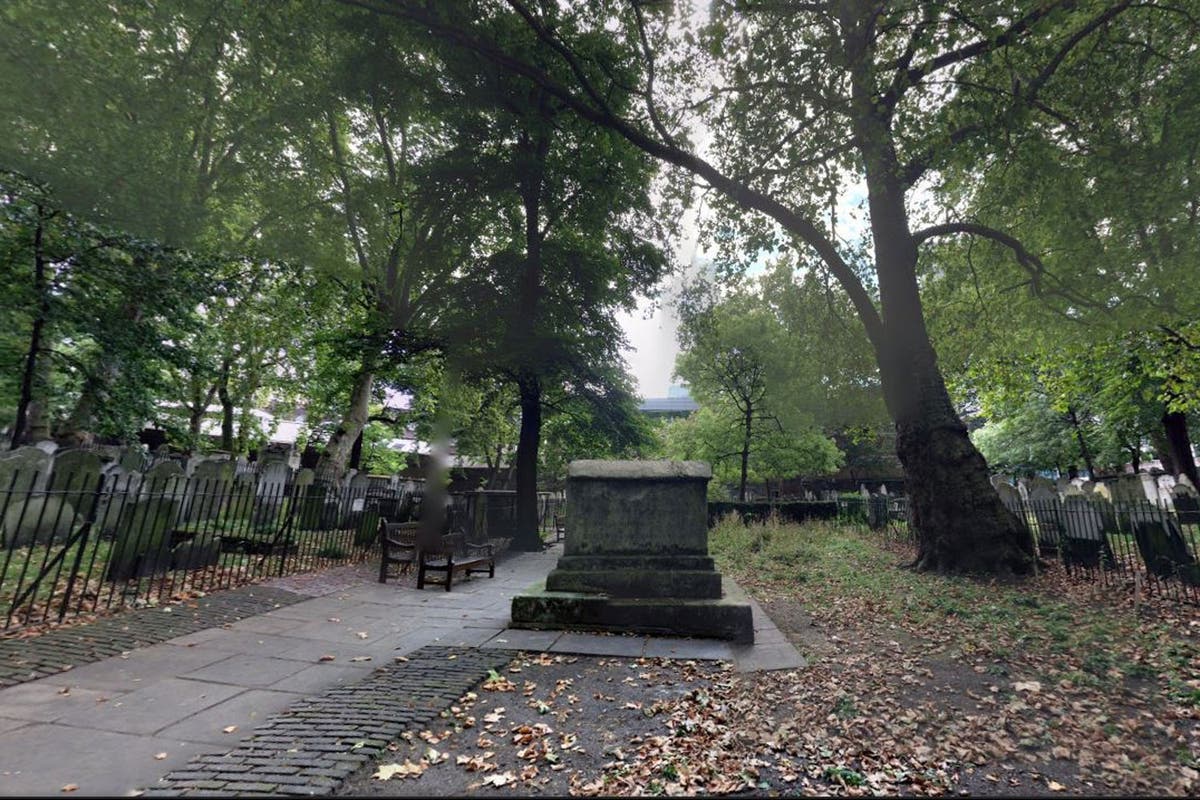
point(22, 429)
point(960, 523)
point(336, 456)
point(749, 421)
point(526, 536)
point(532, 162)
point(1084, 451)
point(1180, 445)
point(226, 406)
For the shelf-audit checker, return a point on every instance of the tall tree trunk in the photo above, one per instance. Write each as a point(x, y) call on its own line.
point(526, 536)
point(196, 411)
point(960, 523)
point(227, 419)
point(1180, 445)
point(1161, 446)
point(1084, 451)
point(22, 428)
point(356, 450)
point(336, 457)
point(745, 452)
point(531, 153)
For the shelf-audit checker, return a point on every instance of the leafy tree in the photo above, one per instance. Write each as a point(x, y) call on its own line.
point(799, 96)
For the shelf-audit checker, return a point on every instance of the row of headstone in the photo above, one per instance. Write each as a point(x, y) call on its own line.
point(45, 492)
point(1074, 518)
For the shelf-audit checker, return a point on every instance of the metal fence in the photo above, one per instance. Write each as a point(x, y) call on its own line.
point(1136, 544)
point(97, 543)
point(1122, 544)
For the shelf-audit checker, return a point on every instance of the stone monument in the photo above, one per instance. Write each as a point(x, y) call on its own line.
point(636, 557)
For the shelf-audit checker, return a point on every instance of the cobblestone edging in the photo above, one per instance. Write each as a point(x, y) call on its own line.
point(319, 743)
point(50, 653)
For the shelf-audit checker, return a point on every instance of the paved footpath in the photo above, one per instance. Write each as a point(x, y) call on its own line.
point(281, 688)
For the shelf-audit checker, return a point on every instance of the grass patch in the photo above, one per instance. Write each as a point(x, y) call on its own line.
point(848, 577)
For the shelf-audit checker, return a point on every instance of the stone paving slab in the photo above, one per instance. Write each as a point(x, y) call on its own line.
point(37, 657)
point(248, 708)
point(152, 707)
point(98, 762)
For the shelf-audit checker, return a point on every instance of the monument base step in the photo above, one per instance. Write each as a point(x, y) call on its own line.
point(729, 617)
point(695, 584)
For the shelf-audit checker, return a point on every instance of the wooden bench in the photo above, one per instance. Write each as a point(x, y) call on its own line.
point(454, 554)
point(398, 543)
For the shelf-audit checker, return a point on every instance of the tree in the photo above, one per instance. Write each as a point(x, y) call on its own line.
point(805, 94)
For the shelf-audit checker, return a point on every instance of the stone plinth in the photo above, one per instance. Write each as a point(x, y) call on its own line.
point(636, 556)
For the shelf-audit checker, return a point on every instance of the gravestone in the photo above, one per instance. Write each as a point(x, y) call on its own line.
point(26, 469)
point(76, 474)
point(269, 494)
point(1010, 497)
point(1162, 546)
point(636, 557)
point(1187, 504)
point(310, 499)
point(47, 446)
point(1047, 510)
point(209, 488)
point(196, 553)
point(1084, 541)
point(40, 519)
point(132, 459)
point(142, 546)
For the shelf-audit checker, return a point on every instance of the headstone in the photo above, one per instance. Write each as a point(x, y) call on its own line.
point(1103, 491)
point(132, 459)
point(1187, 503)
point(269, 494)
point(1085, 542)
point(1162, 546)
point(196, 553)
point(1062, 484)
point(142, 546)
point(1023, 489)
point(24, 470)
point(76, 474)
point(997, 480)
point(1047, 511)
point(209, 488)
point(39, 519)
point(1010, 497)
point(636, 557)
point(883, 489)
point(47, 446)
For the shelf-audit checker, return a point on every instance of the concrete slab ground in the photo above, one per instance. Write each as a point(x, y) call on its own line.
point(115, 725)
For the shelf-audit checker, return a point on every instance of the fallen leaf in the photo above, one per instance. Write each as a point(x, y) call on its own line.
point(361, 634)
point(327, 657)
point(229, 729)
point(406, 770)
point(361, 658)
point(70, 787)
point(1028, 686)
point(500, 779)
point(159, 756)
point(1055, 786)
